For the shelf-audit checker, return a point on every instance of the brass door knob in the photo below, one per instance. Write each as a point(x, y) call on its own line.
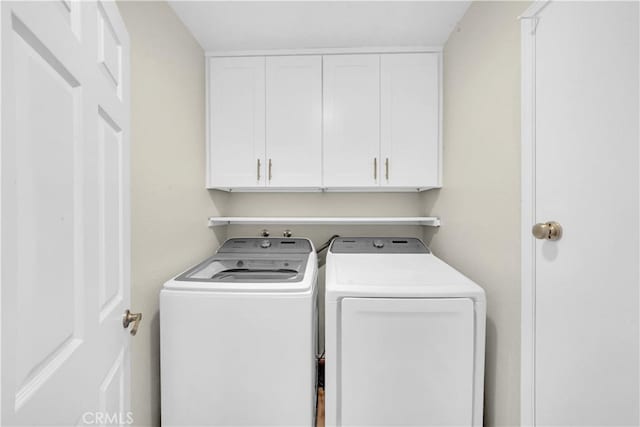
point(547, 230)
point(129, 318)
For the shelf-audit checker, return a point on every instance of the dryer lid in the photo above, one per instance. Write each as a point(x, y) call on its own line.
point(408, 275)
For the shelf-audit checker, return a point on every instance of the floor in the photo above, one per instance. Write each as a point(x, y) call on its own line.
point(320, 409)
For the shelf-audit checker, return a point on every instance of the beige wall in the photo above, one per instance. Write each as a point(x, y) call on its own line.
point(480, 201)
point(169, 202)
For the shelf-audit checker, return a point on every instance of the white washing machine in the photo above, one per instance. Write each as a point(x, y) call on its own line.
point(239, 336)
point(405, 337)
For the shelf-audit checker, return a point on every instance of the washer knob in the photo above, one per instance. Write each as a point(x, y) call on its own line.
point(378, 244)
point(265, 244)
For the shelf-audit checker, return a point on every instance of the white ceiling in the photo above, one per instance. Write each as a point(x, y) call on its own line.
point(257, 25)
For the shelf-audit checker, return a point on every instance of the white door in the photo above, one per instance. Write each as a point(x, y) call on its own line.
point(409, 120)
point(406, 361)
point(64, 214)
point(236, 149)
point(294, 121)
point(580, 167)
point(351, 120)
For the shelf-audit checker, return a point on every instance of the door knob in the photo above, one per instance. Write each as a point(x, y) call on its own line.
point(129, 318)
point(547, 230)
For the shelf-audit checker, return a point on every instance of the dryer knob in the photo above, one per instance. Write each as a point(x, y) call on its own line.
point(378, 244)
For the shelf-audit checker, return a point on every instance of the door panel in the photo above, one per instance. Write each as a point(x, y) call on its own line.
point(112, 388)
point(237, 122)
point(53, 152)
point(351, 133)
point(47, 270)
point(294, 121)
point(109, 184)
point(586, 178)
point(406, 361)
point(409, 123)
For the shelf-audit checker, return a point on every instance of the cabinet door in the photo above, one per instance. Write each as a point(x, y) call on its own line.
point(294, 121)
point(351, 120)
point(410, 140)
point(236, 122)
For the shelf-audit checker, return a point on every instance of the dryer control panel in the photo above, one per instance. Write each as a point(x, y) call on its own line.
point(382, 245)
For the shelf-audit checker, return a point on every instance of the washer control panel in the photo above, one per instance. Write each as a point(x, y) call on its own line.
point(252, 245)
point(382, 245)
point(265, 244)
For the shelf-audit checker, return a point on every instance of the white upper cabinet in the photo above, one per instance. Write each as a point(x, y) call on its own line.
point(351, 121)
point(294, 121)
point(236, 120)
point(409, 123)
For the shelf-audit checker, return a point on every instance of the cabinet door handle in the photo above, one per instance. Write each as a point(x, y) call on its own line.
point(386, 169)
point(375, 168)
point(270, 169)
point(258, 170)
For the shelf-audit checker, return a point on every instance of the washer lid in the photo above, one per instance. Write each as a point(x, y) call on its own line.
point(252, 265)
point(248, 268)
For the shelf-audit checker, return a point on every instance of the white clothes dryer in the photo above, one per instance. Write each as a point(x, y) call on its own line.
point(405, 337)
point(239, 337)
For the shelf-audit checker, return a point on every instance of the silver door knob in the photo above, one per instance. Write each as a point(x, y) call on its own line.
point(130, 318)
point(547, 230)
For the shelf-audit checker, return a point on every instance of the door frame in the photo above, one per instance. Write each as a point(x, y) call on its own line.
point(528, 23)
point(529, 20)
point(1, 145)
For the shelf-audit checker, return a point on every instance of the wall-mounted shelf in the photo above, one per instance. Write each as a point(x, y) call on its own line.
point(431, 221)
